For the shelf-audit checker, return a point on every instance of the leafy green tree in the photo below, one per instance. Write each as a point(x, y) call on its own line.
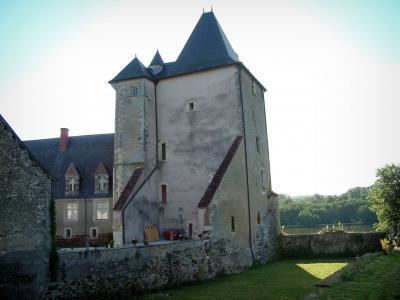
point(384, 198)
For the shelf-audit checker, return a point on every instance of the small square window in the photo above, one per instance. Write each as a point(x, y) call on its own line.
point(191, 106)
point(94, 232)
point(233, 224)
point(68, 233)
point(134, 91)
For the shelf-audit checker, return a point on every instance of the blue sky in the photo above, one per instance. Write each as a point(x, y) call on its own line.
point(332, 70)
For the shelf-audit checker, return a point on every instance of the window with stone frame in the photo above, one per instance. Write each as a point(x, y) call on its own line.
point(101, 179)
point(72, 211)
point(72, 180)
point(102, 209)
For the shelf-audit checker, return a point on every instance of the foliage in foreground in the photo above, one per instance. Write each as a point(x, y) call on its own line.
point(350, 207)
point(385, 199)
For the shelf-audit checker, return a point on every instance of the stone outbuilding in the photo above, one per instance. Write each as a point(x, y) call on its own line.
point(25, 197)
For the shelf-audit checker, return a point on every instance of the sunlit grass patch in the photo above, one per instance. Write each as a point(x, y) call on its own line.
point(322, 270)
point(285, 279)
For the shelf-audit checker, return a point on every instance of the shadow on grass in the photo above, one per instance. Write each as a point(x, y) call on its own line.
point(286, 279)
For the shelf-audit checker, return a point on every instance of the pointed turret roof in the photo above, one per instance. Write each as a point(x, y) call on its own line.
point(207, 44)
point(206, 48)
point(135, 69)
point(157, 60)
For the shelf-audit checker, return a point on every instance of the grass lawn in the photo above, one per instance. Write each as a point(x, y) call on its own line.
point(378, 279)
point(286, 279)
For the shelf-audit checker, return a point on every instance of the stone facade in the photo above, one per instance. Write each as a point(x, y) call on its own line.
point(25, 195)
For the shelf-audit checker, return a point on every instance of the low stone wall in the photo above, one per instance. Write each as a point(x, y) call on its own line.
point(113, 273)
point(23, 274)
point(336, 244)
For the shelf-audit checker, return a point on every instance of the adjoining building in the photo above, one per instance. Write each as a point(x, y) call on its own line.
point(25, 196)
point(82, 167)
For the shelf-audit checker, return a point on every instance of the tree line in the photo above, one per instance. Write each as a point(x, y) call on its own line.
point(350, 207)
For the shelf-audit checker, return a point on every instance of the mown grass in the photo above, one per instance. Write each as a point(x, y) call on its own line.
point(286, 279)
point(376, 279)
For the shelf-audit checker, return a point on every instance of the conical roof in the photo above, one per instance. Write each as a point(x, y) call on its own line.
point(135, 69)
point(207, 43)
point(157, 60)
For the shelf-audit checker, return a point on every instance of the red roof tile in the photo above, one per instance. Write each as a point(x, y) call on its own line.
point(128, 189)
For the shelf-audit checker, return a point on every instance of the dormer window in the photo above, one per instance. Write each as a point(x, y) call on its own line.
point(101, 179)
point(72, 181)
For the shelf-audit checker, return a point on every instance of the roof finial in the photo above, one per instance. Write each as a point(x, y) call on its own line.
point(211, 9)
point(203, 10)
point(135, 55)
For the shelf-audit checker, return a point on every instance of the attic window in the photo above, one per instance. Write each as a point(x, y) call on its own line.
point(71, 181)
point(101, 179)
point(254, 88)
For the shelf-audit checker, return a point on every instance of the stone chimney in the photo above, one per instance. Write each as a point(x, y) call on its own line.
point(63, 139)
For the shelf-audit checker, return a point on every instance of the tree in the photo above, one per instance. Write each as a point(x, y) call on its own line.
point(384, 198)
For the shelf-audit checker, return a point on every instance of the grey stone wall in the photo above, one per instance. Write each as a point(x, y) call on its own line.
point(329, 244)
point(113, 273)
point(24, 220)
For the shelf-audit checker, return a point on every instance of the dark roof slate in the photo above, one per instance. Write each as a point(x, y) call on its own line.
point(85, 152)
point(206, 48)
point(216, 181)
point(23, 146)
point(157, 60)
point(128, 189)
point(135, 69)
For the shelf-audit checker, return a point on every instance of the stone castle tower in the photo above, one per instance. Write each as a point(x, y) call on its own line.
point(191, 146)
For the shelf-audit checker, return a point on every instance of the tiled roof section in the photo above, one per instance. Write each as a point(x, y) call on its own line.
point(216, 181)
point(22, 145)
point(85, 152)
point(157, 60)
point(135, 69)
point(128, 189)
point(206, 48)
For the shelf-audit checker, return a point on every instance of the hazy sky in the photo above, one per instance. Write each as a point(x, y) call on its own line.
point(332, 70)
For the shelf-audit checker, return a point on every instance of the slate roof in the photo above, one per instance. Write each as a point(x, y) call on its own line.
point(216, 181)
point(206, 48)
point(135, 69)
point(85, 152)
point(23, 146)
point(157, 60)
point(128, 189)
